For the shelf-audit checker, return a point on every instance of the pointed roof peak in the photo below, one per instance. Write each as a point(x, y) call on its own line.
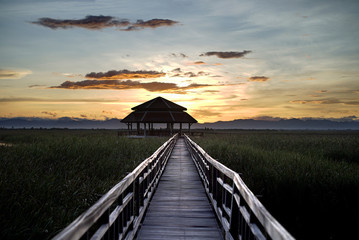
point(159, 104)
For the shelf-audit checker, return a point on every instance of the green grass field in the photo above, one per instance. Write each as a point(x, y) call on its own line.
point(309, 181)
point(49, 177)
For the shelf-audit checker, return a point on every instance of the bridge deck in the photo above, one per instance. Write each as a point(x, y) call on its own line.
point(180, 208)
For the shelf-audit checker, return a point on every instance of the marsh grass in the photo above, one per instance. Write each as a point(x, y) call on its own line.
point(309, 181)
point(49, 177)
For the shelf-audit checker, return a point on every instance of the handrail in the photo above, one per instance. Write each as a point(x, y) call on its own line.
point(118, 213)
point(239, 211)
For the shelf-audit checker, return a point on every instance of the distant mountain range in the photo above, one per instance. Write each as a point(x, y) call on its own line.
point(114, 123)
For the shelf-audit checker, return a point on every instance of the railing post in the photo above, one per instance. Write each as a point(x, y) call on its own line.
point(210, 179)
point(234, 221)
point(141, 192)
point(218, 190)
point(136, 197)
point(120, 217)
point(105, 219)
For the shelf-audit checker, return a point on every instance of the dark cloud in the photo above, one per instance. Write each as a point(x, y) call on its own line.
point(322, 91)
point(177, 70)
point(13, 74)
point(107, 112)
point(227, 54)
point(89, 22)
point(258, 79)
point(179, 55)
point(124, 74)
point(100, 22)
point(37, 86)
point(178, 73)
point(129, 84)
point(153, 23)
point(50, 113)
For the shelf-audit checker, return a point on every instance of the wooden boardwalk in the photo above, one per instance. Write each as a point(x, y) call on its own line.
point(180, 208)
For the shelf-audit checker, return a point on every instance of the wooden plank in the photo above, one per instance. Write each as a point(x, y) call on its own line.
point(180, 208)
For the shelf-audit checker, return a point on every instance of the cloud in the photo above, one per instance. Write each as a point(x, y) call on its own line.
point(50, 113)
point(37, 86)
point(99, 22)
point(233, 96)
point(199, 63)
point(49, 100)
point(179, 73)
point(72, 75)
point(203, 63)
point(153, 23)
point(13, 74)
point(205, 113)
point(124, 74)
point(258, 79)
point(107, 112)
point(322, 91)
point(211, 91)
point(179, 55)
point(326, 101)
point(89, 22)
point(129, 84)
point(177, 70)
point(227, 54)
point(198, 74)
point(307, 101)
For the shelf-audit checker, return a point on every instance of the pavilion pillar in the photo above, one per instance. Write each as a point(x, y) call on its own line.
point(128, 128)
point(138, 128)
point(144, 131)
point(180, 129)
point(189, 128)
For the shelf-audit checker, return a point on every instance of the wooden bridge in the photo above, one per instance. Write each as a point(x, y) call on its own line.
point(180, 192)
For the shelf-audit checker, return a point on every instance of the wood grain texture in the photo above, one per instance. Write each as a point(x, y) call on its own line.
point(180, 208)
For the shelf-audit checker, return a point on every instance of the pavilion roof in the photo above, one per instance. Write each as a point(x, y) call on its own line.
point(159, 104)
point(159, 110)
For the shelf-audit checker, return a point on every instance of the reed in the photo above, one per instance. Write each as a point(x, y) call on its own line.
point(49, 177)
point(309, 181)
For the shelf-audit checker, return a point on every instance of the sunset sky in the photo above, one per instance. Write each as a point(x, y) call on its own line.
point(222, 60)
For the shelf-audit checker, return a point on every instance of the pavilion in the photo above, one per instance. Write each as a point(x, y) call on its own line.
point(158, 111)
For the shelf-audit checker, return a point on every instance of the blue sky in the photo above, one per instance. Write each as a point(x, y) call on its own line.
point(289, 58)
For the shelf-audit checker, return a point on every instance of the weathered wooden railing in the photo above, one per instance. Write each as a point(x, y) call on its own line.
point(118, 213)
point(240, 213)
